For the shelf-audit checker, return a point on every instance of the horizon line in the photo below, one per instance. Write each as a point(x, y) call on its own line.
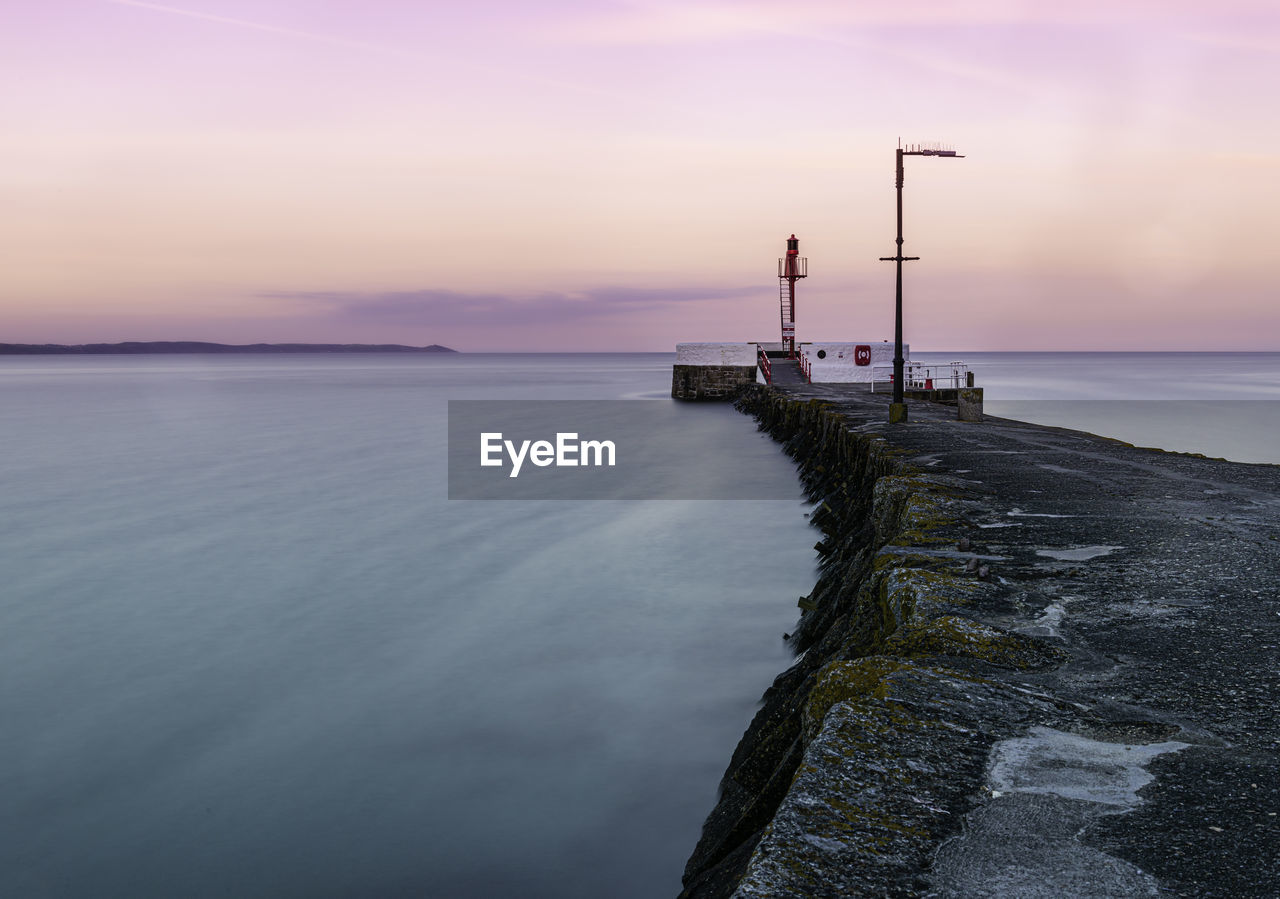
point(567, 352)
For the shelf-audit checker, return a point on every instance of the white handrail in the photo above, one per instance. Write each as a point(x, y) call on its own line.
point(918, 376)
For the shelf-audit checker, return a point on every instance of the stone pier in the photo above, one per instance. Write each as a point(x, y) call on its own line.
point(713, 371)
point(1036, 663)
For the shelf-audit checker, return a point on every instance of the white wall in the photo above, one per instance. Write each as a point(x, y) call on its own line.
point(838, 365)
point(715, 354)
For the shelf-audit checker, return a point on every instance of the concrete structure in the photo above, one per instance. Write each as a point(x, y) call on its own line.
point(712, 371)
point(1036, 663)
point(719, 371)
point(969, 403)
point(718, 354)
point(848, 361)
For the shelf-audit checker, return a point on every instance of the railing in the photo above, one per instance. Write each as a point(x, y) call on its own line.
point(800, 270)
point(765, 367)
point(918, 376)
point(806, 368)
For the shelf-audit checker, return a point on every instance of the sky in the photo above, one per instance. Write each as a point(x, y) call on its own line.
point(570, 175)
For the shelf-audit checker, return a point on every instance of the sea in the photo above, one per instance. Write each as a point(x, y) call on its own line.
point(1222, 405)
point(249, 647)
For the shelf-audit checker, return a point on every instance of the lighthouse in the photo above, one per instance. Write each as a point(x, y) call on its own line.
point(791, 268)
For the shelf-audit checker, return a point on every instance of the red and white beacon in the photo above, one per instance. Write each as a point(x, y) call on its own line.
point(791, 268)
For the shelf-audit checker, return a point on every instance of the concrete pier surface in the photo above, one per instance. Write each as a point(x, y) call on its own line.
point(1037, 662)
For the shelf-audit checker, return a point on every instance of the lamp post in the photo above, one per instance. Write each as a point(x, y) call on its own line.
point(898, 409)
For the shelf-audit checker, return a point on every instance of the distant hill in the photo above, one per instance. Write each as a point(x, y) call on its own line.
point(134, 347)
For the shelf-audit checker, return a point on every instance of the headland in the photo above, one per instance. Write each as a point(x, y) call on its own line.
point(158, 347)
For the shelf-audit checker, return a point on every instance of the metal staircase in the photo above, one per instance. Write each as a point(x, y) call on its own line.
point(786, 298)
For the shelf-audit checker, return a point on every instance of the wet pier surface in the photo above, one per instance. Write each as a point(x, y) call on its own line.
point(1067, 687)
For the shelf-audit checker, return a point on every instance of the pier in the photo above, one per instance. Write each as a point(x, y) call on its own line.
point(1037, 662)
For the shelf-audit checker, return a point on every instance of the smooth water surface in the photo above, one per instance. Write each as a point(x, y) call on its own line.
point(248, 648)
point(1218, 404)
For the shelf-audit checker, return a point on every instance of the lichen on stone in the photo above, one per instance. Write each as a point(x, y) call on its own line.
point(950, 635)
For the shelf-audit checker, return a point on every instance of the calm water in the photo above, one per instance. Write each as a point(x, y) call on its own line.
point(1219, 404)
point(247, 647)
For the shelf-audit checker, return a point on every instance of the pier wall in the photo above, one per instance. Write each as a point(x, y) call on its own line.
point(874, 627)
point(713, 371)
point(710, 382)
point(947, 729)
point(836, 362)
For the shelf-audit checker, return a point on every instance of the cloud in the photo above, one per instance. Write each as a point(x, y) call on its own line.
point(855, 27)
point(669, 22)
point(1254, 42)
point(449, 308)
point(254, 26)
point(510, 74)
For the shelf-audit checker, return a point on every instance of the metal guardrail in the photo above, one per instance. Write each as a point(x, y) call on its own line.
point(801, 269)
point(918, 376)
point(765, 367)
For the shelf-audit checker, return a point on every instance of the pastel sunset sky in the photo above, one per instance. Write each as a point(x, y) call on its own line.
point(580, 174)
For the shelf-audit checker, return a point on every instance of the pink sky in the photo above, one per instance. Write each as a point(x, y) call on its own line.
point(589, 175)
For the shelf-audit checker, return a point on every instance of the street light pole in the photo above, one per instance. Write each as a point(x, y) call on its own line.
point(898, 409)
